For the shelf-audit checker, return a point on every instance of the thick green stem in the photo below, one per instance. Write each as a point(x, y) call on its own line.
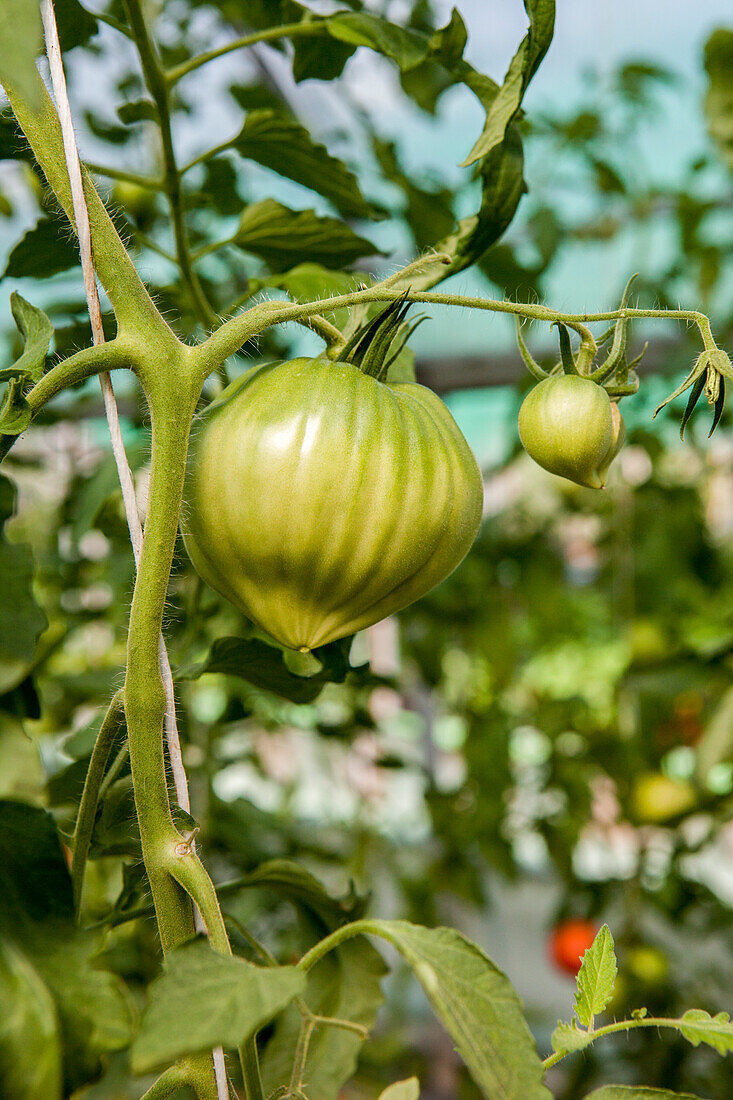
point(155, 80)
point(130, 300)
point(250, 1063)
point(168, 1083)
point(115, 355)
point(346, 932)
point(171, 410)
point(90, 795)
point(187, 869)
point(144, 693)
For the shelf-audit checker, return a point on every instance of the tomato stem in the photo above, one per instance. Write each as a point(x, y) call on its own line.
point(113, 719)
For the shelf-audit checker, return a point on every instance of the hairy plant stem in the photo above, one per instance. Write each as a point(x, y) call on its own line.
point(346, 932)
point(77, 368)
point(133, 306)
point(612, 1029)
point(90, 796)
point(186, 868)
point(168, 1083)
point(171, 411)
point(230, 336)
point(157, 85)
point(150, 183)
point(270, 34)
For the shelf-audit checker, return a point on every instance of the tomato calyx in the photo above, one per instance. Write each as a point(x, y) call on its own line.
point(376, 344)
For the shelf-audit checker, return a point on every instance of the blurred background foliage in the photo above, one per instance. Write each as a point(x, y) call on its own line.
point(547, 735)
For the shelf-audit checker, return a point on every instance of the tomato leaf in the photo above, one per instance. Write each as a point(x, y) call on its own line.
point(596, 977)
point(139, 110)
point(20, 34)
point(402, 1090)
point(719, 97)
point(75, 24)
point(567, 1038)
point(477, 1005)
point(320, 57)
point(203, 1000)
point(30, 1045)
point(401, 44)
point(46, 249)
point(284, 237)
point(13, 145)
point(37, 917)
point(346, 985)
point(291, 881)
point(522, 68)
point(22, 618)
point(272, 139)
point(502, 187)
point(632, 1092)
point(15, 412)
point(36, 331)
point(698, 1026)
point(261, 665)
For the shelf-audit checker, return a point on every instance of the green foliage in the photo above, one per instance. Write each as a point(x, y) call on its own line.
point(203, 1000)
point(699, 1026)
point(476, 1004)
point(282, 144)
point(30, 1047)
point(83, 1011)
point(719, 98)
point(631, 1092)
point(46, 249)
point(20, 31)
point(36, 331)
point(524, 65)
point(531, 682)
point(345, 986)
point(23, 620)
point(282, 236)
point(569, 1038)
point(596, 978)
point(402, 1090)
point(76, 25)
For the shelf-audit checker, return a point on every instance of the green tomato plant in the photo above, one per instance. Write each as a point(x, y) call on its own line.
point(318, 495)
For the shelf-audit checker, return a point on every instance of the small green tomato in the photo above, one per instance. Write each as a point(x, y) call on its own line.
point(569, 426)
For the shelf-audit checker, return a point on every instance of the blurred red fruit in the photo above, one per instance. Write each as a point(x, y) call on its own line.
point(569, 941)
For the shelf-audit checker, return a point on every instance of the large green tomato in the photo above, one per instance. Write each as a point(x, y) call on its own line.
point(569, 426)
point(320, 500)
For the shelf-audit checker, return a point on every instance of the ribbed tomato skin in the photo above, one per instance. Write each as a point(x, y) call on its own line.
point(319, 500)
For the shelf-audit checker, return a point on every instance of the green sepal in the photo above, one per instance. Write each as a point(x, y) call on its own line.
point(695, 395)
point(623, 389)
point(711, 369)
point(369, 347)
point(616, 359)
point(566, 351)
point(530, 363)
point(399, 342)
point(719, 406)
point(699, 369)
